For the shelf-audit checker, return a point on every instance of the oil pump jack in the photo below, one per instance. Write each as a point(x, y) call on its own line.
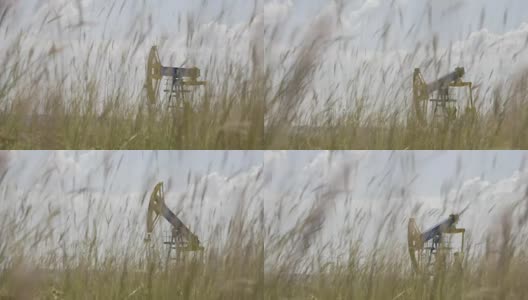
point(181, 238)
point(431, 246)
point(178, 79)
point(438, 92)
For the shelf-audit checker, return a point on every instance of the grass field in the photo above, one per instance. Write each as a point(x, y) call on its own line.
point(330, 91)
point(63, 87)
point(59, 245)
point(385, 273)
point(326, 240)
point(56, 244)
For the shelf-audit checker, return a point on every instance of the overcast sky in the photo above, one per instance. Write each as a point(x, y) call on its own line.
point(119, 34)
point(112, 189)
point(350, 193)
point(451, 19)
point(378, 38)
point(381, 42)
point(387, 186)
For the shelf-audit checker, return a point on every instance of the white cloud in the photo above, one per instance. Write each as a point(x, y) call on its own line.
point(273, 157)
point(69, 11)
point(104, 48)
point(277, 10)
point(354, 214)
point(365, 9)
point(117, 205)
point(326, 162)
point(379, 74)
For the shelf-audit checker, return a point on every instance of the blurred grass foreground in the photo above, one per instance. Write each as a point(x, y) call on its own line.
point(73, 233)
point(73, 76)
point(68, 232)
point(279, 76)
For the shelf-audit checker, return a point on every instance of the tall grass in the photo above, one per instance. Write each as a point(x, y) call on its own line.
point(73, 78)
point(328, 87)
point(324, 241)
point(61, 244)
point(85, 244)
point(70, 82)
